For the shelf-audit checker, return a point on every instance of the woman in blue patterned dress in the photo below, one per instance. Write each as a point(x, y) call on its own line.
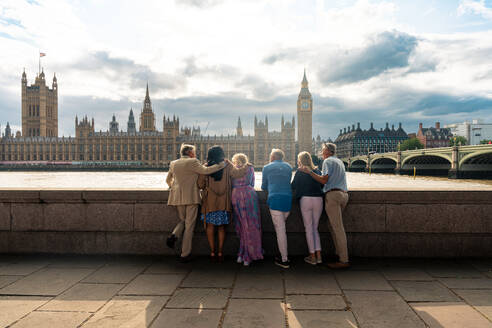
point(216, 199)
point(247, 213)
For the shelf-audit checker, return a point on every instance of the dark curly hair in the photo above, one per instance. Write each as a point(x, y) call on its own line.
point(216, 155)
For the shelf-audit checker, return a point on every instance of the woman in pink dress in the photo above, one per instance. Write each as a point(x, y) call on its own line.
point(247, 213)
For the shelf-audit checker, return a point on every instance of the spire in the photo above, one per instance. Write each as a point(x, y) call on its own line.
point(304, 80)
point(239, 122)
point(147, 97)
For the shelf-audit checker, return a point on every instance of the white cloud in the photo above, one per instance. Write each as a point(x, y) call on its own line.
point(475, 7)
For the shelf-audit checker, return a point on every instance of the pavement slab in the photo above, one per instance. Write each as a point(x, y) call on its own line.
point(311, 283)
point(169, 266)
point(467, 283)
point(21, 268)
point(362, 280)
point(481, 300)
point(199, 298)
point(424, 291)
point(321, 319)
point(52, 320)
point(127, 312)
point(448, 269)
point(450, 315)
point(246, 313)
point(7, 280)
point(83, 298)
point(81, 262)
point(188, 318)
point(12, 308)
point(382, 309)
point(153, 284)
point(210, 278)
point(115, 274)
point(258, 286)
point(406, 274)
point(48, 281)
point(316, 302)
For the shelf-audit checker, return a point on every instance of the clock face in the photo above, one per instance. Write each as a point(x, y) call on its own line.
point(305, 105)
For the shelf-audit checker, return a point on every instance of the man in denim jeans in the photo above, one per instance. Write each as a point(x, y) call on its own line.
point(276, 180)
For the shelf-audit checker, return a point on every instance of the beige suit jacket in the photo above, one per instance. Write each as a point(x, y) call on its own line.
point(182, 180)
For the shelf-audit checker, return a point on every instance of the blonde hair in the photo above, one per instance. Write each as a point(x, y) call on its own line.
point(278, 154)
point(240, 159)
point(306, 160)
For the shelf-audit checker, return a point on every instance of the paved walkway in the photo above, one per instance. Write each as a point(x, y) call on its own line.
point(53, 291)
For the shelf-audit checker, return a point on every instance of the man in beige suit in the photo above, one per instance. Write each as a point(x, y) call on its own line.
point(185, 195)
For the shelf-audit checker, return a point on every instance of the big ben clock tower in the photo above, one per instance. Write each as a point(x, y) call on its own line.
point(305, 117)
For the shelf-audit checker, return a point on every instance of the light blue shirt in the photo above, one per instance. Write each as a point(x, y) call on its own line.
point(335, 169)
point(276, 180)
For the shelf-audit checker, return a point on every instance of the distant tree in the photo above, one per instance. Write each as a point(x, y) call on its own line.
point(411, 144)
point(486, 142)
point(457, 141)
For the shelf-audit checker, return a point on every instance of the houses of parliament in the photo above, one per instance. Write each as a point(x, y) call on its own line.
point(39, 140)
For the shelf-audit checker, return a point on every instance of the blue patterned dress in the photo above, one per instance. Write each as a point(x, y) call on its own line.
point(248, 219)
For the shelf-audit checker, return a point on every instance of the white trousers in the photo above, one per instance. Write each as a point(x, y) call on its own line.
point(311, 208)
point(279, 219)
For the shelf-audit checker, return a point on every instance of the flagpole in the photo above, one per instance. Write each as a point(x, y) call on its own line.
point(39, 60)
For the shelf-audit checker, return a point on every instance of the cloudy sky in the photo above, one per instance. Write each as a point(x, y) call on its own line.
point(210, 61)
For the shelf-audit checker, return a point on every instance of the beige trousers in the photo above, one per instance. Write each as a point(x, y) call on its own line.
point(335, 202)
point(186, 226)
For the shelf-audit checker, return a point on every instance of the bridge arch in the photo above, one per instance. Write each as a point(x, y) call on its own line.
point(424, 156)
point(383, 160)
point(484, 156)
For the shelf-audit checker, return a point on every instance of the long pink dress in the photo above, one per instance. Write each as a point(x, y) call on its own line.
point(247, 214)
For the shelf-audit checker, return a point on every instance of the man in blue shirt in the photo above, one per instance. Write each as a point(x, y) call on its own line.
point(276, 180)
point(336, 198)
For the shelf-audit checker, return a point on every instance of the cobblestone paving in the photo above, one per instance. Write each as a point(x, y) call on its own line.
point(74, 291)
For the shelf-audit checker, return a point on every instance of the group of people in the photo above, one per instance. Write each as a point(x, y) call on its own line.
point(223, 187)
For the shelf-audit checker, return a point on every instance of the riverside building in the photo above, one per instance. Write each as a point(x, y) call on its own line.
point(474, 131)
point(434, 137)
point(39, 139)
point(354, 141)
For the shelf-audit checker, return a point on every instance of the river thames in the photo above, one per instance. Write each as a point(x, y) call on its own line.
point(156, 181)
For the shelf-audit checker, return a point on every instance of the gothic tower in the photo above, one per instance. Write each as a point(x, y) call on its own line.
point(39, 107)
point(147, 119)
point(305, 117)
point(131, 126)
point(113, 126)
point(239, 129)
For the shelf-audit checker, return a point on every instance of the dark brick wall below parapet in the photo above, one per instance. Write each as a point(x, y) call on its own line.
point(378, 224)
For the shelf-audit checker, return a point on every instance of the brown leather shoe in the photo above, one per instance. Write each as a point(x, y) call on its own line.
point(338, 265)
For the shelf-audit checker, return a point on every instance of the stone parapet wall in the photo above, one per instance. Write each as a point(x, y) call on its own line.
point(378, 224)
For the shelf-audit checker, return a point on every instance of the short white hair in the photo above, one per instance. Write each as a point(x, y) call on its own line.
point(278, 154)
point(331, 147)
point(185, 149)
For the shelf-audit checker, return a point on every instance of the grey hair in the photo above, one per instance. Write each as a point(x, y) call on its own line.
point(331, 147)
point(185, 149)
point(278, 154)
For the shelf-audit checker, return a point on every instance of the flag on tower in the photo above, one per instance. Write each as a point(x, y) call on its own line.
point(42, 54)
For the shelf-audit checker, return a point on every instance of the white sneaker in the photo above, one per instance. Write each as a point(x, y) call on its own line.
point(319, 260)
point(239, 259)
point(246, 263)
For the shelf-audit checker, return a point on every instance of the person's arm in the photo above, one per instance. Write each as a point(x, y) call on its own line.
point(202, 181)
point(252, 175)
point(201, 169)
point(323, 179)
point(170, 177)
point(295, 181)
point(264, 181)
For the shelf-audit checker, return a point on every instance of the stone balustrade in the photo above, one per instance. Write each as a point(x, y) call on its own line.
point(378, 224)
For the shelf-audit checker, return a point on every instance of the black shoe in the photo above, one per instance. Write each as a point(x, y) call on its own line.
point(185, 259)
point(282, 264)
point(171, 240)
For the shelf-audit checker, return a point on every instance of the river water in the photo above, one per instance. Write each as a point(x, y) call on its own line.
point(156, 181)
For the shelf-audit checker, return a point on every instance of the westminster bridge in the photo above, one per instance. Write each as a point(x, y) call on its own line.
point(456, 161)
